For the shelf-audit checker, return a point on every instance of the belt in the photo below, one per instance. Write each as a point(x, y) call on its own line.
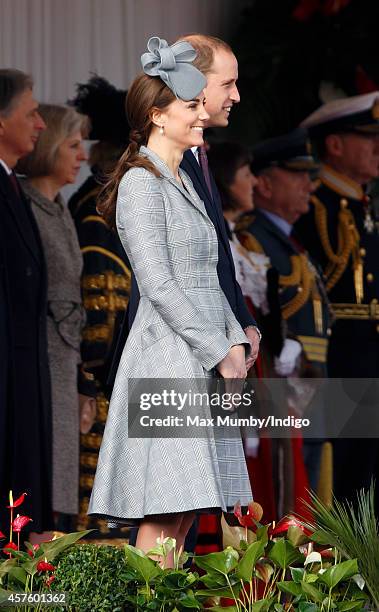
point(357, 311)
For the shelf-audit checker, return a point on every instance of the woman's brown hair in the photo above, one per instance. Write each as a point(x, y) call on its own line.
point(145, 94)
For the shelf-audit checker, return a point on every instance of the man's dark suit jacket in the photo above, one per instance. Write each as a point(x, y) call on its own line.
point(225, 266)
point(25, 405)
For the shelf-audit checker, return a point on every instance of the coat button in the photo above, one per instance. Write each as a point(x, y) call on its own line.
point(28, 271)
point(369, 277)
point(362, 252)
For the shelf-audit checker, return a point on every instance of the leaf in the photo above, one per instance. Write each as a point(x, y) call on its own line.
point(232, 536)
point(222, 609)
point(297, 573)
point(264, 571)
point(220, 562)
point(292, 588)
point(262, 605)
point(337, 573)
point(315, 594)
point(296, 535)
point(19, 574)
point(6, 566)
point(246, 566)
point(50, 550)
point(349, 605)
point(145, 567)
point(283, 554)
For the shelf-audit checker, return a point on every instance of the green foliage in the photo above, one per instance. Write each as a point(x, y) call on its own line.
point(354, 531)
point(96, 578)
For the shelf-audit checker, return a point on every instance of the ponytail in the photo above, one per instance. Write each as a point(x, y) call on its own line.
point(107, 199)
point(145, 93)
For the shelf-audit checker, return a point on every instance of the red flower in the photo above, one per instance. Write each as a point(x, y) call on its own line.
point(2, 536)
point(20, 522)
point(253, 515)
point(18, 501)
point(50, 580)
point(44, 566)
point(285, 523)
point(11, 545)
point(31, 552)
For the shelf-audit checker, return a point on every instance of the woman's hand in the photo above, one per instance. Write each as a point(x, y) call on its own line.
point(233, 365)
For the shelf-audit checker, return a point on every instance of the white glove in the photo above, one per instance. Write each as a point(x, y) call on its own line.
point(285, 364)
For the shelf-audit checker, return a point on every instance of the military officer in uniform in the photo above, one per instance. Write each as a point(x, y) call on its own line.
point(342, 234)
point(284, 167)
point(106, 270)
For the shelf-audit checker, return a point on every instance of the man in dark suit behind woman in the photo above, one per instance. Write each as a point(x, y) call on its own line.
point(25, 411)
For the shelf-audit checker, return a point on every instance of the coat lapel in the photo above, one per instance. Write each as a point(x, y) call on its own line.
point(10, 197)
point(187, 190)
point(274, 229)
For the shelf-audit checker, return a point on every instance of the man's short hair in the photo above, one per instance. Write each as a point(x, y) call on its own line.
point(205, 47)
point(61, 123)
point(13, 83)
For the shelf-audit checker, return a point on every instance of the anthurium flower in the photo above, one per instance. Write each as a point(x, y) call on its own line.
point(31, 552)
point(50, 580)
point(20, 522)
point(253, 515)
point(18, 502)
point(2, 536)
point(44, 566)
point(11, 545)
point(285, 523)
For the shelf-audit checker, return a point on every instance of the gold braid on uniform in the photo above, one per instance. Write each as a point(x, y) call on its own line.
point(301, 276)
point(249, 242)
point(348, 243)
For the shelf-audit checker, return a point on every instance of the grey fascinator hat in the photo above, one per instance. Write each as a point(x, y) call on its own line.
point(173, 64)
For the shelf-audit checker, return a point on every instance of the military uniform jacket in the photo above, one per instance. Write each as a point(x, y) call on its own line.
point(105, 279)
point(183, 328)
point(301, 293)
point(341, 234)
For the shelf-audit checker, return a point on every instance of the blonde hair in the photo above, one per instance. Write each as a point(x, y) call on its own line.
point(61, 122)
point(205, 47)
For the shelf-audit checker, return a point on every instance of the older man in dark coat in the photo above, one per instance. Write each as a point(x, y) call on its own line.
point(25, 413)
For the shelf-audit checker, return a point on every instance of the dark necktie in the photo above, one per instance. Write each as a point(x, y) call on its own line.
point(203, 159)
point(296, 243)
point(13, 180)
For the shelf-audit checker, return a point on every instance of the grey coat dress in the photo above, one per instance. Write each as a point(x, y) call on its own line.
point(64, 323)
point(183, 328)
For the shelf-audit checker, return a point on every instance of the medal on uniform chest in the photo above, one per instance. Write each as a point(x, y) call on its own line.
point(368, 222)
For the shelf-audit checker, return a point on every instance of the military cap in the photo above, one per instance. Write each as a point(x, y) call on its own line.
point(291, 151)
point(358, 114)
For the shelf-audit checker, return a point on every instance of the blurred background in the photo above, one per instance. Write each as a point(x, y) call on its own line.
point(292, 54)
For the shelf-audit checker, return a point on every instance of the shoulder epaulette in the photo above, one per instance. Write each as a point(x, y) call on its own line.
point(244, 222)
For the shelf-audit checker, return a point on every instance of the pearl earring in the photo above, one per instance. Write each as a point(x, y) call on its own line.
point(161, 130)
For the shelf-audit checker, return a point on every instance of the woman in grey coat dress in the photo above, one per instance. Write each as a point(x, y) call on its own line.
point(55, 162)
point(184, 327)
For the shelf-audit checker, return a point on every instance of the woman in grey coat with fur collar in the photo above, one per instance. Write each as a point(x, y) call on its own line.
point(54, 163)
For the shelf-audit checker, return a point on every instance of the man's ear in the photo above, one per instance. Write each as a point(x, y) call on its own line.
point(2, 126)
point(334, 145)
point(264, 186)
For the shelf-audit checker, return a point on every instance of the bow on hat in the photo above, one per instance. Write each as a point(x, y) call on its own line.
point(173, 64)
